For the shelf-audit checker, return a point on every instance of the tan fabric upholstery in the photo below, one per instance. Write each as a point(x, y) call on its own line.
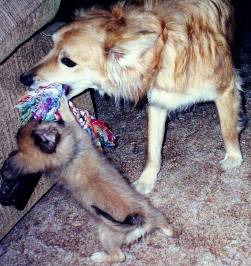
point(21, 19)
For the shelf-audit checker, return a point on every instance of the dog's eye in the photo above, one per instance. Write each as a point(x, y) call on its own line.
point(68, 62)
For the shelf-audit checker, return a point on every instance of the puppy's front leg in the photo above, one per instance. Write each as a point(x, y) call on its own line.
point(156, 130)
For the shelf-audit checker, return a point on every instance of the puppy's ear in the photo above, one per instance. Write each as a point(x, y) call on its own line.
point(46, 139)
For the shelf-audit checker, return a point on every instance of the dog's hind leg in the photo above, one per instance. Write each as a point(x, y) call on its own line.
point(156, 130)
point(111, 242)
point(228, 105)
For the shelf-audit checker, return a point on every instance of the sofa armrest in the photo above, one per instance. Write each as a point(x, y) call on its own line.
point(21, 19)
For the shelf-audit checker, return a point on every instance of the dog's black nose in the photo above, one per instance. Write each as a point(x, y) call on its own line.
point(27, 78)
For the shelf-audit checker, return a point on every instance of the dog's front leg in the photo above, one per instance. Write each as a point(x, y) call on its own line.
point(156, 130)
point(65, 111)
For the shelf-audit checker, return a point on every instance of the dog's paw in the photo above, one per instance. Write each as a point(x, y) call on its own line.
point(146, 182)
point(102, 256)
point(230, 162)
point(144, 185)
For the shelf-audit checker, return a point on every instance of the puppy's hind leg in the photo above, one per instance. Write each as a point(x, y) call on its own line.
point(163, 224)
point(136, 233)
point(156, 222)
point(228, 105)
point(156, 130)
point(111, 242)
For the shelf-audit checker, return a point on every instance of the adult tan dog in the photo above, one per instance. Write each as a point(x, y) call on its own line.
point(178, 52)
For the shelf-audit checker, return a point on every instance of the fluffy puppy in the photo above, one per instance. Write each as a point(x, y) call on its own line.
point(65, 151)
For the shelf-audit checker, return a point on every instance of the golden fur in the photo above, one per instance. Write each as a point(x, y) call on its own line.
point(178, 52)
point(66, 152)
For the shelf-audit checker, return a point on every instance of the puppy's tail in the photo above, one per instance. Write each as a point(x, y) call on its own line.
point(130, 220)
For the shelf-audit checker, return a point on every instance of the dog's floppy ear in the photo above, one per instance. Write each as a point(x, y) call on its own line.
point(126, 51)
point(46, 139)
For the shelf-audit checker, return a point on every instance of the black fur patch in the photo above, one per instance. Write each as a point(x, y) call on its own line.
point(134, 219)
point(46, 140)
point(130, 220)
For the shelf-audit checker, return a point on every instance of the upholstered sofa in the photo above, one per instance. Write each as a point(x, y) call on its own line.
point(22, 44)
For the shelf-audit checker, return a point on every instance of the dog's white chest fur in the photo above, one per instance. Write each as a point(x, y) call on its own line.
point(174, 100)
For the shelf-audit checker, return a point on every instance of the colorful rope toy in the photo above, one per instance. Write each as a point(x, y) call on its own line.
point(43, 103)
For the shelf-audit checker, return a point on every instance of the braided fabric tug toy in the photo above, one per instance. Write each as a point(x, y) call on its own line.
point(43, 103)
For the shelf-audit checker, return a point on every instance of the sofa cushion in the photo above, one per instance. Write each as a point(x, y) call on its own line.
point(21, 19)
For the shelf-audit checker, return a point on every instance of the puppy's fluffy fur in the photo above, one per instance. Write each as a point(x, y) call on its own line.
point(178, 52)
point(66, 152)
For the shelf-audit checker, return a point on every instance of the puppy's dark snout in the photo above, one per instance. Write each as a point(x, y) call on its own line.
point(27, 78)
point(9, 170)
point(6, 170)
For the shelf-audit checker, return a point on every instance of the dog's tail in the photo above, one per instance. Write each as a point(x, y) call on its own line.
point(135, 219)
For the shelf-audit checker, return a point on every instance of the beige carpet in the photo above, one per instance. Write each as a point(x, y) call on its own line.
point(209, 208)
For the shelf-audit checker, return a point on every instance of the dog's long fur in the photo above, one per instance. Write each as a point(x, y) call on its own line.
point(65, 151)
point(178, 52)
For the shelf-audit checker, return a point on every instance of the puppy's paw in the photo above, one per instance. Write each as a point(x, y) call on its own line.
point(230, 162)
point(101, 256)
point(168, 231)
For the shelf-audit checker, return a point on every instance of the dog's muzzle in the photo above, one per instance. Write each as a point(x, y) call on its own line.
point(27, 78)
